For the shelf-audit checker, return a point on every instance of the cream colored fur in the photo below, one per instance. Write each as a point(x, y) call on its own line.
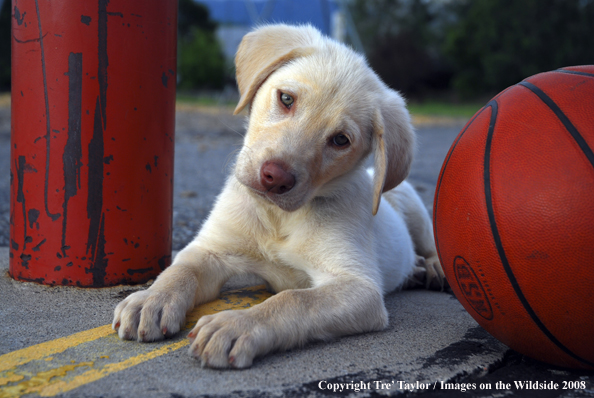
point(321, 246)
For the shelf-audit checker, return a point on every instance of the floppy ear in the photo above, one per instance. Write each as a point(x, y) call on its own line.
point(393, 142)
point(266, 49)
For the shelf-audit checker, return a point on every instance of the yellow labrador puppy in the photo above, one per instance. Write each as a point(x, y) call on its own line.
point(300, 210)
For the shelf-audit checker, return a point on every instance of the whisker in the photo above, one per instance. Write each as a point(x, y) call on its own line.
point(242, 135)
point(221, 105)
point(227, 166)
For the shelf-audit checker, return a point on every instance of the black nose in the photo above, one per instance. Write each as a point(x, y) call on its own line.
point(275, 178)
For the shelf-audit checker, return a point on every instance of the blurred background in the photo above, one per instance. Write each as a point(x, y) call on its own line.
point(448, 57)
point(448, 52)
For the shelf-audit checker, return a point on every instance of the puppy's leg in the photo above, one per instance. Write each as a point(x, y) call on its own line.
point(196, 276)
point(408, 203)
point(345, 305)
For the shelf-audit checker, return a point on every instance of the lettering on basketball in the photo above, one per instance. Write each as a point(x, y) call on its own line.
point(472, 289)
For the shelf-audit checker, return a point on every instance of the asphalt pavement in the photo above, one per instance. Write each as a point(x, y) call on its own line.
point(55, 341)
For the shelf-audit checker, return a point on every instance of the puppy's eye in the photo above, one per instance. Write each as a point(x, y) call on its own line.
point(287, 100)
point(340, 140)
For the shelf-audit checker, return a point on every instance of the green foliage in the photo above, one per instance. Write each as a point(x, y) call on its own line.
point(402, 39)
point(193, 15)
point(379, 18)
point(5, 38)
point(496, 43)
point(201, 63)
point(475, 47)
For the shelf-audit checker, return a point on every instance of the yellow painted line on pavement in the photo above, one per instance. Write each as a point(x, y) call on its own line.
point(61, 386)
point(35, 369)
point(56, 346)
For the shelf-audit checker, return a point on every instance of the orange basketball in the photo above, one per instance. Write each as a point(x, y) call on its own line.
point(514, 217)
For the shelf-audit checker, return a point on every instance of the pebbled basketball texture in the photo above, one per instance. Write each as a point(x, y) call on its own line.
point(514, 217)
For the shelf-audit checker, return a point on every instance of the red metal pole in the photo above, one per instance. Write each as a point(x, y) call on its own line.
point(93, 107)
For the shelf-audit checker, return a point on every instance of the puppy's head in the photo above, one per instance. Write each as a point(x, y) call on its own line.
point(316, 111)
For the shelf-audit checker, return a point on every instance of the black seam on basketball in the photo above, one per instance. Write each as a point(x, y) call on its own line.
point(445, 165)
point(564, 119)
point(574, 72)
point(499, 245)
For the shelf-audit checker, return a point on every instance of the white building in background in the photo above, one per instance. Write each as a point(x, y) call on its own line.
point(237, 17)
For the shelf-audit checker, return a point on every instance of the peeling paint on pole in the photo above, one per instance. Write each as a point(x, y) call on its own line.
point(89, 112)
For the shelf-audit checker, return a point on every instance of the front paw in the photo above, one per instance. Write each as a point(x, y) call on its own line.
point(149, 316)
point(427, 273)
point(436, 279)
point(229, 339)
